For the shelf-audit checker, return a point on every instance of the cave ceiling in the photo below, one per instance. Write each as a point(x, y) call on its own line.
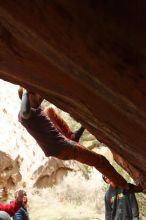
point(86, 57)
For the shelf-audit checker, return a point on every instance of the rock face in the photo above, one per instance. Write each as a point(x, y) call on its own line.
point(88, 59)
point(52, 172)
point(9, 171)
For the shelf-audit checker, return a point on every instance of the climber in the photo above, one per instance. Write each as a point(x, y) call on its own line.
point(46, 129)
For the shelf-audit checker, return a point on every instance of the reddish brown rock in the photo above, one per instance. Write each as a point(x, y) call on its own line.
point(86, 57)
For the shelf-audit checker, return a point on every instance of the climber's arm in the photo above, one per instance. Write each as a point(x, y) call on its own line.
point(25, 108)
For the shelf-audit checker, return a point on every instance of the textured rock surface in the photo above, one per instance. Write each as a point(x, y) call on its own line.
point(9, 171)
point(88, 59)
point(52, 172)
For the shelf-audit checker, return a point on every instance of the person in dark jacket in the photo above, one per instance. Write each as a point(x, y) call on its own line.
point(22, 213)
point(121, 204)
point(54, 140)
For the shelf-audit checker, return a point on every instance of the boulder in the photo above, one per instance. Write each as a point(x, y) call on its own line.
point(9, 171)
point(88, 59)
